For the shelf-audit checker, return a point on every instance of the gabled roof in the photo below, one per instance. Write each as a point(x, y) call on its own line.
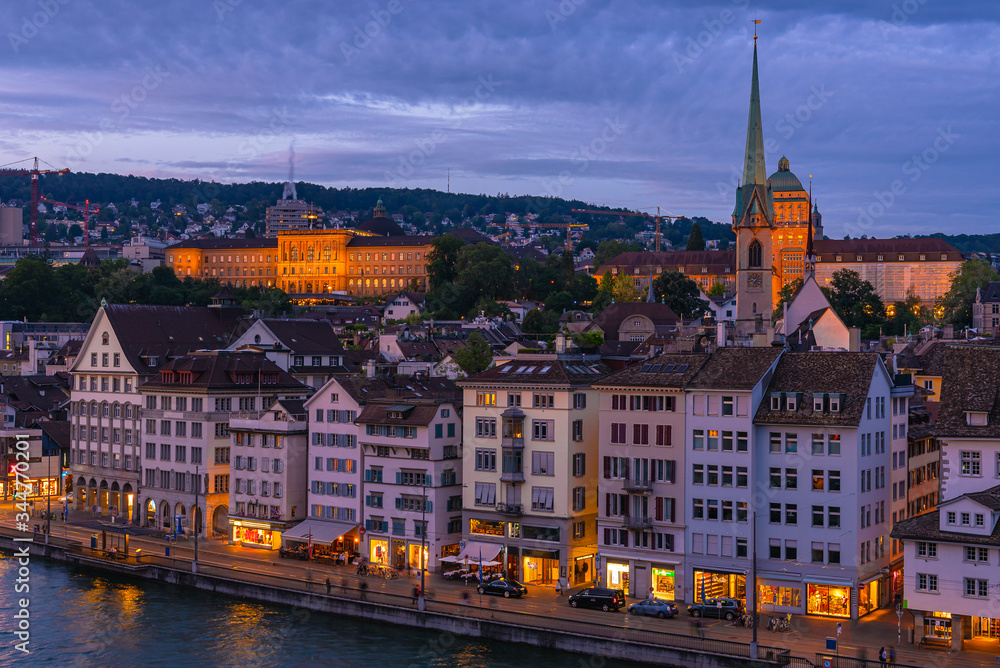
point(971, 374)
point(692, 261)
point(669, 370)
point(889, 250)
point(219, 244)
point(735, 368)
point(540, 372)
point(166, 332)
point(36, 393)
point(216, 370)
point(811, 373)
point(928, 527)
point(418, 414)
point(306, 336)
point(988, 498)
point(992, 292)
point(610, 319)
point(931, 358)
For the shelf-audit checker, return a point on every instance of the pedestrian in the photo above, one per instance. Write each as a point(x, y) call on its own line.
point(328, 586)
point(559, 587)
point(416, 594)
point(892, 655)
point(364, 591)
point(465, 598)
point(882, 656)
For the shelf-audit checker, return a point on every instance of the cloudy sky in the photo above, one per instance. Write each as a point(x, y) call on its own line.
point(891, 106)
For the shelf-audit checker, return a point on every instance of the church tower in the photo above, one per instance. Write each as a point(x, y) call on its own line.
point(753, 222)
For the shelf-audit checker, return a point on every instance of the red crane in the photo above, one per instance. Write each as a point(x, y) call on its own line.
point(34, 172)
point(86, 209)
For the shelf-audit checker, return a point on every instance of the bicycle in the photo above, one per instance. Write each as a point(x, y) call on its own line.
point(390, 574)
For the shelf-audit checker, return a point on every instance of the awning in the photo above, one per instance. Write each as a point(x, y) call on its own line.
point(473, 549)
point(319, 531)
point(871, 578)
point(830, 581)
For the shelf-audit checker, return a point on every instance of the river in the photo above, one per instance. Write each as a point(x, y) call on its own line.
point(86, 618)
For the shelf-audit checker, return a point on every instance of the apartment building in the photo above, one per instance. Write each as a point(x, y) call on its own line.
point(236, 262)
point(125, 346)
point(531, 467)
point(336, 462)
point(721, 469)
point(411, 450)
point(268, 472)
point(640, 526)
point(822, 449)
point(952, 556)
point(306, 348)
point(923, 464)
point(902, 394)
point(186, 442)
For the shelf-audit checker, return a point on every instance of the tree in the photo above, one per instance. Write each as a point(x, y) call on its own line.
point(559, 302)
point(491, 309)
point(485, 270)
point(957, 302)
point(856, 302)
point(904, 317)
point(680, 293)
point(624, 290)
point(717, 289)
point(593, 339)
point(695, 240)
point(442, 260)
point(29, 289)
point(604, 293)
point(784, 295)
point(475, 356)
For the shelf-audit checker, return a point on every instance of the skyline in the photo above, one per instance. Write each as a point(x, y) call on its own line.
point(631, 105)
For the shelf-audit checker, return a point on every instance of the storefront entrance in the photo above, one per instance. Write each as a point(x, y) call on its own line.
point(778, 598)
point(828, 600)
point(719, 585)
point(938, 625)
point(985, 627)
point(539, 569)
point(663, 583)
point(617, 575)
point(398, 554)
point(868, 597)
point(583, 570)
point(379, 551)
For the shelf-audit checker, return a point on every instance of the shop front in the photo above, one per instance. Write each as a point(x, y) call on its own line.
point(663, 581)
point(260, 535)
point(583, 570)
point(985, 627)
point(34, 489)
point(869, 596)
point(937, 625)
point(719, 584)
point(397, 554)
point(539, 566)
point(416, 555)
point(323, 541)
point(832, 600)
point(378, 551)
point(779, 596)
point(617, 575)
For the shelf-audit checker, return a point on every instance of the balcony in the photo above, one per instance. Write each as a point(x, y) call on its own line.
point(513, 509)
point(641, 486)
point(512, 442)
point(512, 476)
point(638, 522)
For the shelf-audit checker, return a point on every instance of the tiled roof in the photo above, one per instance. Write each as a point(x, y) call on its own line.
point(889, 249)
point(363, 390)
point(39, 392)
point(715, 261)
point(418, 414)
point(845, 373)
point(213, 244)
point(669, 370)
point(520, 372)
point(931, 358)
point(368, 242)
point(215, 370)
point(928, 527)
point(306, 336)
point(735, 368)
point(166, 332)
point(970, 374)
point(992, 292)
point(611, 318)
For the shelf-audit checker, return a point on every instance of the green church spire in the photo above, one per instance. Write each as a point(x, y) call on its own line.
point(754, 172)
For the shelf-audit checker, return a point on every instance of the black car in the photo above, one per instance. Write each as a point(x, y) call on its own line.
point(505, 588)
point(729, 608)
point(598, 597)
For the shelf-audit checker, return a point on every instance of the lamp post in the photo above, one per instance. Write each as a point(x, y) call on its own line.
point(421, 600)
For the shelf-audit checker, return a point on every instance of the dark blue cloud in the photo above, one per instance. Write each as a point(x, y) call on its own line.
point(518, 96)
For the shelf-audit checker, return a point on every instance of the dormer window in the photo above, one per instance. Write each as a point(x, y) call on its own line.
point(835, 404)
point(976, 418)
point(792, 402)
point(775, 403)
point(859, 258)
point(818, 403)
point(923, 257)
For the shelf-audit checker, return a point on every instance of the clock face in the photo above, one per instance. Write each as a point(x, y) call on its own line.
point(754, 280)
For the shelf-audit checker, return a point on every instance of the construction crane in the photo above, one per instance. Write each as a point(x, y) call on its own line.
point(569, 228)
point(5, 170)
point(86, 210)
point(658, 216)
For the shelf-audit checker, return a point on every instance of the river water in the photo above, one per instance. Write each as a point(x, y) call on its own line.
point(86, 618)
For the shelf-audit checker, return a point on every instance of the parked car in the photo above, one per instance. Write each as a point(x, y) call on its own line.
point(730, 608)
point(653, 607)
point(598, 597)
point(505, 588)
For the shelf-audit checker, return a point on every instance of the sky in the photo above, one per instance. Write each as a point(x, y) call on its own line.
point(891, 107)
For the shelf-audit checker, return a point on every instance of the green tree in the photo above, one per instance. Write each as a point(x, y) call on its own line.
point(605, 293)
point(442, 260)
point(485, 270)
point(540, 322)
point(490, 308)
point(956, 304)
point(30, 290)
point(624, 290)
point(856, 301)
point(717, 289)
point(680, 293)
point(904, 317)
point(560, 302)
point(475, 356)
point(784, 295)
point(695, 240)
point(592, 339)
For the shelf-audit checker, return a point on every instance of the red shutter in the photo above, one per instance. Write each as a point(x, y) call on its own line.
point(670, 429)
point(607, 466)
point(607, 505)
point(659, 509)
point(635, 433)
point(645, 434)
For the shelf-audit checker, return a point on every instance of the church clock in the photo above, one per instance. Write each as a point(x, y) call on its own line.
point(754, 280)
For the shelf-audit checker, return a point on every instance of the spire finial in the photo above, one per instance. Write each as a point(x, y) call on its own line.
point(755, 22)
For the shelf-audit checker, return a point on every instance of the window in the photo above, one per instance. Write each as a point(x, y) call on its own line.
point(817, 516)
point(579, 498)
point(727, 405)
point(791, 479)
point(542, 430)
point(698, 474)
point(698, 508)
point(741, 476)
point(486, 460)
point(513, 398)
point(543, 400)
point(976, 588)
point(543, 463)
point(775, 478)
point(791, 513)
point(817, 444)
point(775, 513)
point(791, 443)
point(578, 430)
point(579, 464)
point(833, 480)
point(542, 498)
point(741, 441)
point(817, 476)
point(698, 439)
point(775, 442)
point(741, 547)
point(486, 428)
point(927, 582)
point(833, 517)
point(971, 464)
point(486, 398)
point(741, 511)
point(579, 400)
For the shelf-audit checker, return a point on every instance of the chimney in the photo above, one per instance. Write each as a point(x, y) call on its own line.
point(370, 369)
point(560, 343)
point(854, 344)
point(949, 331)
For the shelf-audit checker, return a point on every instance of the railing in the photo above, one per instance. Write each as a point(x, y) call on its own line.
point(512, 476)
point(632, 522)
point(512, 442)
point(637, 485)
point(515, 509)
